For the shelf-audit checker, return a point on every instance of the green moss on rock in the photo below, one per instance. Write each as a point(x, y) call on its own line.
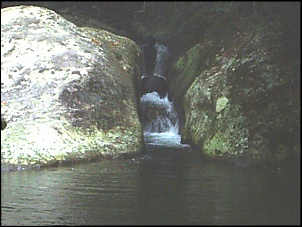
point(221, 103)
point(238, 96)
point(76, 102)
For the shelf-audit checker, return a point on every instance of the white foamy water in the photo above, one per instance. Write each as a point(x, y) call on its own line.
point(161, 58)
point(167, 139)
point(154, 99)
point(162, 131)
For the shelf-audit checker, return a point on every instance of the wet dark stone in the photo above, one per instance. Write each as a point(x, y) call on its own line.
point(3, 123)
point(155, 83)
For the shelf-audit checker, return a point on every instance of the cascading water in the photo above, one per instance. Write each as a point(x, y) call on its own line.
point(161, 59)
point(159, 119)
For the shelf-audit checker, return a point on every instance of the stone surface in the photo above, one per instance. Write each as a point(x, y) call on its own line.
point(240, 92)
point(155, 83)
point(67, 93)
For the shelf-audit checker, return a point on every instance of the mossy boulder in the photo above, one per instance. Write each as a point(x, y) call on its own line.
point(239, 91)
point(67, 93)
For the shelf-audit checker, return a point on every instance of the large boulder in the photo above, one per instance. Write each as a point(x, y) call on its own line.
point(239, 89)
point(67, 93)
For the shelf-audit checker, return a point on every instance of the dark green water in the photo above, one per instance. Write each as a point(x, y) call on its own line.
point(167, 186)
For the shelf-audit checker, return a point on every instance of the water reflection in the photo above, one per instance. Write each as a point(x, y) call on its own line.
point(169, 187)
point(161, 190)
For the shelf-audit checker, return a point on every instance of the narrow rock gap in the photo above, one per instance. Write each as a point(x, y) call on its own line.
point(157, 114)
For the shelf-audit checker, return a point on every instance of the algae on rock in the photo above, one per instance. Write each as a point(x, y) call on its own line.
point(239, 97)
point(67, 93)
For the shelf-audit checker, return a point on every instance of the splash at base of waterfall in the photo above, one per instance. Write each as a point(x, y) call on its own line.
point(161, 128)
point(167, 139)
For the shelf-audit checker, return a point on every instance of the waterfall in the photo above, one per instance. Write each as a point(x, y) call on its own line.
point(158, 116)
point(161, 59)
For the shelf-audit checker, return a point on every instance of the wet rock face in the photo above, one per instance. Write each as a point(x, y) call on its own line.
point(149, 54)
point(3, 123)
point(240, 92)
point(155, 83)
point(67, 93)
